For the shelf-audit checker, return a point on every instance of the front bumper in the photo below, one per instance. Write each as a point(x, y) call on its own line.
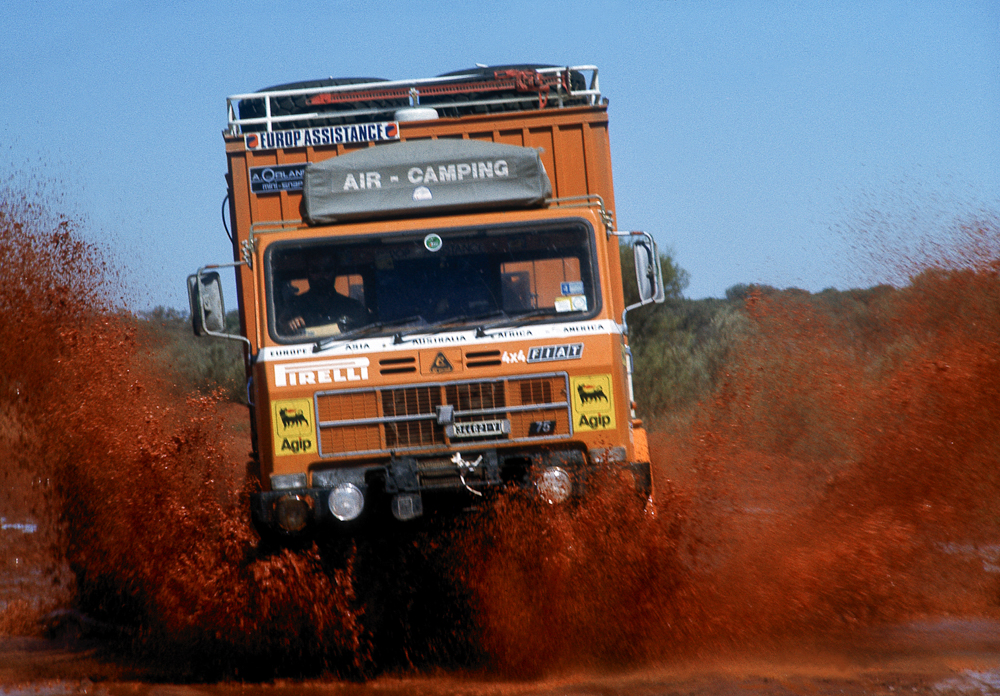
point(405, 487)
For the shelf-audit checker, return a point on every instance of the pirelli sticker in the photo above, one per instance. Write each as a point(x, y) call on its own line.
point(321, 372)
point(593, 402)
point(294, 429)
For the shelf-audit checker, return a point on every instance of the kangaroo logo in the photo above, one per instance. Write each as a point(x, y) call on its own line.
point(590, 393)
point(293, 417)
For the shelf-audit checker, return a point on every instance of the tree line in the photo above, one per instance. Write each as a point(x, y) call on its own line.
point(682, 349)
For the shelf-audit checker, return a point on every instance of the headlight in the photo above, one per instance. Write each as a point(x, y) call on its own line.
point(346, 502)
point(554, 485)
point(292, 512)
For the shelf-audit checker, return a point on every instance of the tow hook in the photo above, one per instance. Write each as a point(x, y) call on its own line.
point(466, 467)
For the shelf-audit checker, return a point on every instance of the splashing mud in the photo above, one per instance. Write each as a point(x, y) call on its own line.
point(852, 453)
point(844, 476)
point(133, 485)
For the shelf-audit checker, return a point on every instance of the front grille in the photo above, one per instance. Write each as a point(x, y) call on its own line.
point(405, 411)
point(406, 419)
point(535, 391)
point(476, 396)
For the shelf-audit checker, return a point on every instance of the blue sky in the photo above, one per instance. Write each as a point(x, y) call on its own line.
point(753, 139)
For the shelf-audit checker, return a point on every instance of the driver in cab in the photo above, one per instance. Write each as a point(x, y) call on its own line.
point(319, 309)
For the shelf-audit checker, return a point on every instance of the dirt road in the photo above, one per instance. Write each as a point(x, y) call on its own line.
point(941, 656)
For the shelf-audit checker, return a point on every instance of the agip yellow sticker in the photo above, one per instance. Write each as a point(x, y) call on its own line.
point(294, 430)
point(593, 402)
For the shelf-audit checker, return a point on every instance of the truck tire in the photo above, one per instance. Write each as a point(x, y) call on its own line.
point(451, 105)
point(291, 105)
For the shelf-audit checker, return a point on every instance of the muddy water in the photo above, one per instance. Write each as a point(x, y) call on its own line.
point(842, 480)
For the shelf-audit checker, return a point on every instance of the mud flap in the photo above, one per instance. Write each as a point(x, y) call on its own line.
point(643, 477)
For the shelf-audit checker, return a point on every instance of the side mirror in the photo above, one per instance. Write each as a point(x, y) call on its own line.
point(647, 271)
point(208, 315)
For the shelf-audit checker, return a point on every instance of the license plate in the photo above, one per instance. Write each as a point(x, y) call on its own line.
point(490, 428)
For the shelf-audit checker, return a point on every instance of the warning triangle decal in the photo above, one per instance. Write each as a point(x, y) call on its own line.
point(441, 364)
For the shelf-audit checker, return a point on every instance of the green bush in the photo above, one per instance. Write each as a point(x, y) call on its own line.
point(201, 364)
point(679, 347)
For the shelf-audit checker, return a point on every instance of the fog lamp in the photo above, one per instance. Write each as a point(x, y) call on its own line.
point(282, 482)
point(554, 485)
point(346, 502)
point(407, 506)
point(292, 512)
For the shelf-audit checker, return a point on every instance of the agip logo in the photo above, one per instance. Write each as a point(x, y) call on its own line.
point(294, 431)
point(593, 402)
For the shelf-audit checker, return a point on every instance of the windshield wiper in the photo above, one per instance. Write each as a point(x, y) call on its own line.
point(449, 323)
point(439, 326)
point(515, 320)
point(366, 330)
point(505, 319)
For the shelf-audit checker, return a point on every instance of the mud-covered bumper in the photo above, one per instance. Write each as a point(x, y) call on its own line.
point(406, 487)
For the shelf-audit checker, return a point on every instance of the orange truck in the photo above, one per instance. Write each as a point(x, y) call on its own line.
point(430, 294)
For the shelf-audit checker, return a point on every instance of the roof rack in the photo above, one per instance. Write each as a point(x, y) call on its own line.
point(483, 90)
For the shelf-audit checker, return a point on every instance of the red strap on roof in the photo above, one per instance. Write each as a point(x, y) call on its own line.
point(503, 80)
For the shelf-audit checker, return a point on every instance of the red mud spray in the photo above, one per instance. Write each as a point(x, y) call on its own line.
point(844, 475)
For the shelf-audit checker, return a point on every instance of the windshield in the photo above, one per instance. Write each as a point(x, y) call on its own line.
point(459, 277)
